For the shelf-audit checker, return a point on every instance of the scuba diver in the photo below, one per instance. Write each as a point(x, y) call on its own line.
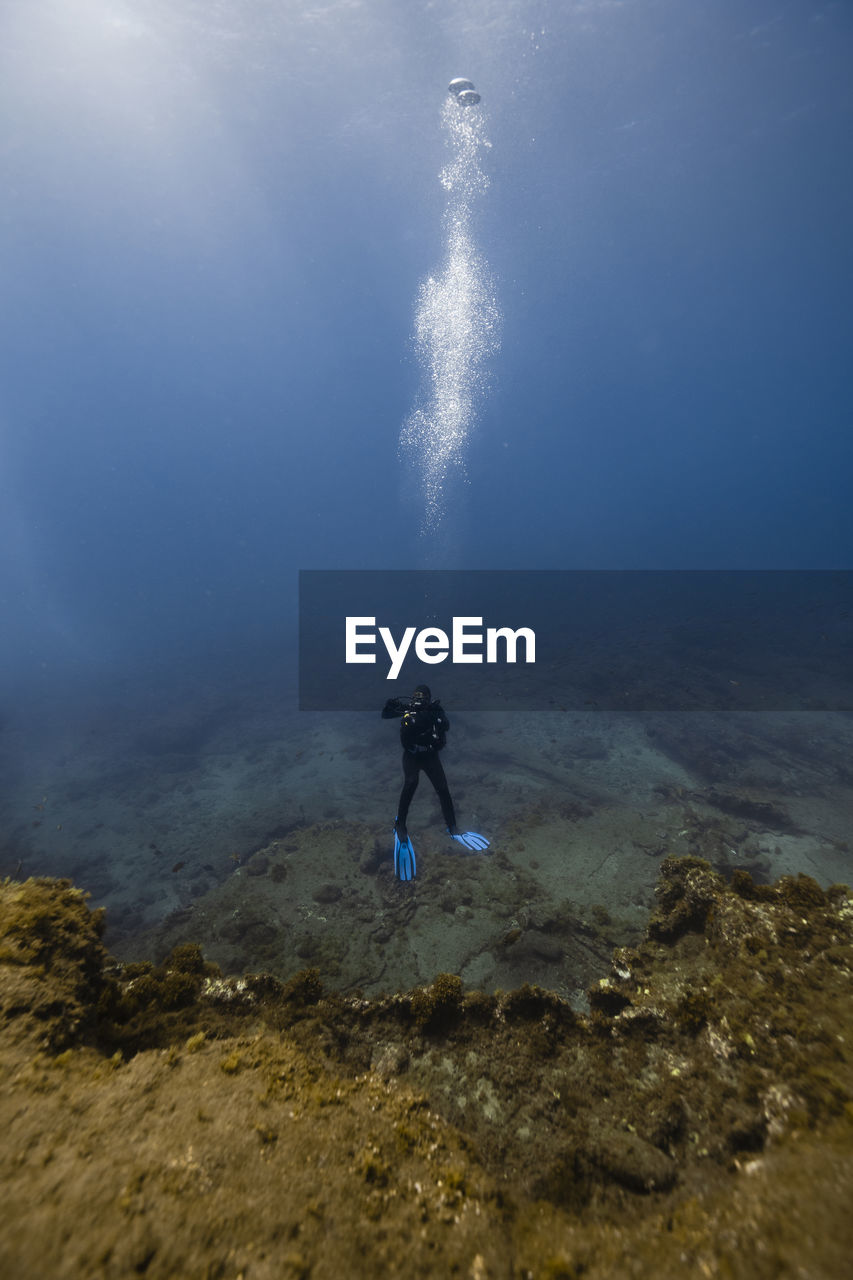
point(423, 733)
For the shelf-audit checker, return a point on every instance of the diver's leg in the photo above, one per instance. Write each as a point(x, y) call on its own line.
point(411, 777)
point(434, 770)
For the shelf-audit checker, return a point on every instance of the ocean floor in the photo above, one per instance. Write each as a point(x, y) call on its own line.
point(696, 1121)
point(231, 819)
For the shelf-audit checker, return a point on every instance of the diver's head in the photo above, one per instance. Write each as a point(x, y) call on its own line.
point(422, 696)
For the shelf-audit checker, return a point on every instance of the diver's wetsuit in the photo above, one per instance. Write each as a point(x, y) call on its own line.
point(423, 734)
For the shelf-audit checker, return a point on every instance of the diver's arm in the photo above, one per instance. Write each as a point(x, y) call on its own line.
point(394, 708)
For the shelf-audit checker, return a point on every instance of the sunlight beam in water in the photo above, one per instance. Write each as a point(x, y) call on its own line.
point(457, 324)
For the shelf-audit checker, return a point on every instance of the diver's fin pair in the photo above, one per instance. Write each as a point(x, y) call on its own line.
point(405, 867)
point(470, 839)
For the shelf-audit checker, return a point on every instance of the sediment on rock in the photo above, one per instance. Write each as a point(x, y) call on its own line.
point(499, 1135)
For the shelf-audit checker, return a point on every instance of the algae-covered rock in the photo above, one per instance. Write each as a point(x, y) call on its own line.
point(699, 1120)
point(686, 892)
point(51, 962)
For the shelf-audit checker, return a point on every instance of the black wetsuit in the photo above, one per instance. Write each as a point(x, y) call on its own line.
point(423, 733)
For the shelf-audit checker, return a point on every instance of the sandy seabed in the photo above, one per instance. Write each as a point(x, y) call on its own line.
point(265, 834)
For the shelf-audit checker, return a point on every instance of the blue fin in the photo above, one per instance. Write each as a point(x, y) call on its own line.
point(405, 867)
point(470, 839)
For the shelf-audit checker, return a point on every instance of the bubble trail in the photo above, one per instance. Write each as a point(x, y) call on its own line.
point(457, 324)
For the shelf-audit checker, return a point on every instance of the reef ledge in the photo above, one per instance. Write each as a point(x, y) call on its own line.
point(162, 1120)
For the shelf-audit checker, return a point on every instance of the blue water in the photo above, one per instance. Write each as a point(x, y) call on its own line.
point(217, 222)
